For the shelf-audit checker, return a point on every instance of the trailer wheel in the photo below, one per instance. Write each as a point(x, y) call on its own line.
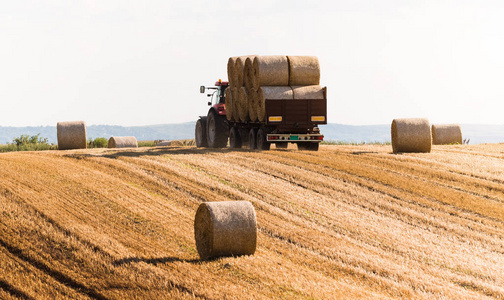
point(217, 131)
point(281, 145)
point(262, 143)
point(253, 138)
point(302, 146)
point(314, 146)
point(200, 133)
point(235, 140)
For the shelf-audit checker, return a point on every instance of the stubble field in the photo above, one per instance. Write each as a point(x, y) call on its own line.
point(344, 222)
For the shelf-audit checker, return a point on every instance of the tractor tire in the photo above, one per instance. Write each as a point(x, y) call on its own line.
point(281, 145)
point(217, 130)
point(235, 140)
point(262, 143)
point(253, 138)
point(200, 133)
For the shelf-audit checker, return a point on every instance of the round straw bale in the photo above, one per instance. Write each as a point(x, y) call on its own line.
point(72, 135)
point(122, 142)
point(231, 71)
point(444, 134)
point(304, 70)
point(308, 92)
point(164, 143)
point(227, 228)
point(272, 93)
point(242, 105)
point(411, 135)
point(252, 104)
point(272, 70)
point(240, 70)
point(228, 97)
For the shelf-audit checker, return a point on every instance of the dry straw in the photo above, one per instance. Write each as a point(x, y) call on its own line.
point(270, 70)
point(411, 135)
point(304, 70)
point(252, 104)
point(446, 134)
point(308, 92)
point(123, 142)
point(71, 135)
point(227, 228)
point(242, 104)
point(240, 70)
point(272, 93)
point(228, 96)
point(231, 71)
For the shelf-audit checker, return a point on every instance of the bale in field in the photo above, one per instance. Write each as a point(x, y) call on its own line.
point(446, 134)
point(304, 70)
point(273, 93)
point(242, 104)
point(411, 135)
point(240, 70)
point(164, 143)
point(72, 135)
point(308, 92)
point(123, 142)
point(272, 70)
point(226, 228)
point(228, 97)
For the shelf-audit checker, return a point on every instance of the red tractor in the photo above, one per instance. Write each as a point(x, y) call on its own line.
point(213, 130)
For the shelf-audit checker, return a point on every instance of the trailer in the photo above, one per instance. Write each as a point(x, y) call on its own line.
point(287, 121)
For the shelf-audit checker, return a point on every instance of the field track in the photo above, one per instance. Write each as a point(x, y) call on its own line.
point(345, 222)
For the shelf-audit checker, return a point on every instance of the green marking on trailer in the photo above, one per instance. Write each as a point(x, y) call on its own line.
point(294, 137)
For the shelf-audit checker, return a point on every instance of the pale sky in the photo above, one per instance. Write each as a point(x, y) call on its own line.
point(142, 62)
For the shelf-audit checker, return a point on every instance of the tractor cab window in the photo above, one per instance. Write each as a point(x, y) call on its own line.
point(221, 94)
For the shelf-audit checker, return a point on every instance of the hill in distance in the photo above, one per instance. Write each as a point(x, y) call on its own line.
point(477, 134)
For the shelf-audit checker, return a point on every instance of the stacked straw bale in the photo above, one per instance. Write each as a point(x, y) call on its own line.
point(445, 134)
point(253, 79)
point(123, 142)
point(228, 96)
point(226, 228)
point(72, 135)
point(411, 135)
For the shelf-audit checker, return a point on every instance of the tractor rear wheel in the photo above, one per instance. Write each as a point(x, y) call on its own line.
point(200, 133)
point(262, 143)
point(235, 140)
point(217, 130)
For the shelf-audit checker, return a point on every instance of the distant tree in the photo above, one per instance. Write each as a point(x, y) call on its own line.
point(99, 142)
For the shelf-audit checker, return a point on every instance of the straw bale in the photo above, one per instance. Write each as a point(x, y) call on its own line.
point(272, 70)
point(72, 135)
point(444, 134)
point(227, 228)
point(122, 142)
point(272, 93)
point(240, 70)
point(231, 71)
point(308, 92)
point(228, 96)
point(304, 70)
point(252, 104)
point(411, 135)
point(164, 143)
point(242, 104)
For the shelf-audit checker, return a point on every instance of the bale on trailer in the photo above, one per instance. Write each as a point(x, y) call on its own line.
point(242, 104)
point(272, 70)
point(252, 105)
point(71, 135)
point(446, 134)
point(304, 70)
point(411, 135)
point(228, 96)
point(240, 70)
point(122, 142)
point(231, 70)
point(308, 92)
point(227, 228)
point(272, 93)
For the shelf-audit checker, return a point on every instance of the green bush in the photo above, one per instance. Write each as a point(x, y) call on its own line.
point(99, 142)
point(28, 143)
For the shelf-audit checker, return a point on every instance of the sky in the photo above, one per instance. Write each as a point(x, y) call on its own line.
point(135, 63)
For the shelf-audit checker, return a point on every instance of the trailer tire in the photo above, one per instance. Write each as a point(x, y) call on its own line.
point(235, 140)
point(253, 138)
point(314, 146)
point(200, 133)
point(302, 146)
point(281, 145)
point(217, 130)
point(262, 143)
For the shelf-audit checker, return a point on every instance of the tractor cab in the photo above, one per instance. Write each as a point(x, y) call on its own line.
point(217, 96)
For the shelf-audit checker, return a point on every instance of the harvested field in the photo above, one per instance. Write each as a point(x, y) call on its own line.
point(344, 222)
